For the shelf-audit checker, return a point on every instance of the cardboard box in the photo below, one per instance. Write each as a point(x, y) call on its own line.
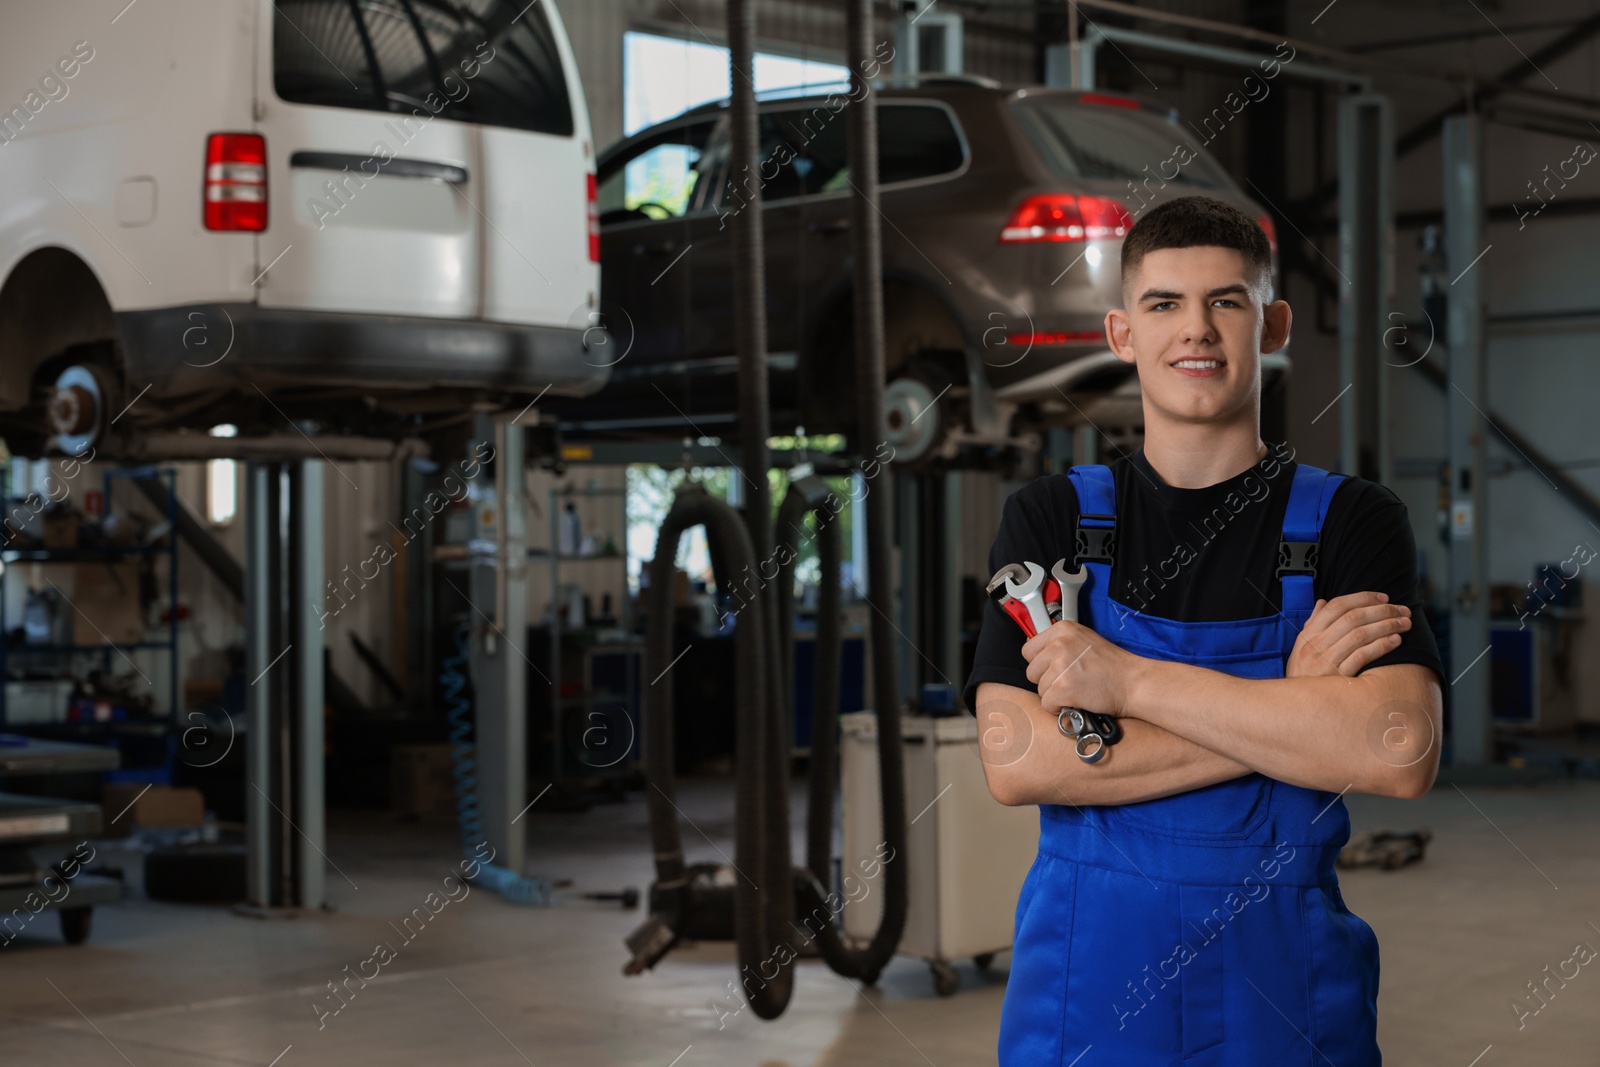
point(158, 805)
point(105, 604)
point(199, 691)
point(59, 528)
point(422, 782)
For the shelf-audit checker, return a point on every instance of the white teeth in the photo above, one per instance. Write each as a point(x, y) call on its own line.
point(1198, 364)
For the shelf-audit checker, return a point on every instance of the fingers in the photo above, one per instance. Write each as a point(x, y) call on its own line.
point(1328, 612)
point(1337, 629)
point(1052, 652)
point(1040, 640)
point(1366, 643)
point(1357, 661)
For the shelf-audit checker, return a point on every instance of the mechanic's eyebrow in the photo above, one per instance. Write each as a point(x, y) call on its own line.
point(1229, 290)
point(1237, 288)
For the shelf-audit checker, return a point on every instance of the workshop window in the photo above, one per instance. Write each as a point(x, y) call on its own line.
point(222, 483)
point(666, 76)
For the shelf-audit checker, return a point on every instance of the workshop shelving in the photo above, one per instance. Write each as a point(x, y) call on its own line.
point(603, 694)
point(73, 652)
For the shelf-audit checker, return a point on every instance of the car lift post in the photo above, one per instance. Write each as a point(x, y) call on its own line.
point(1462, 146)
point(498, 662)
point(285, 823)
point(1366, 262)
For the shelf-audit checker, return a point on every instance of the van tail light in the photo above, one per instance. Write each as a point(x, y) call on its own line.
point(594, 223)
point(1063, 217)
point(236, 182)
point(1265, 222)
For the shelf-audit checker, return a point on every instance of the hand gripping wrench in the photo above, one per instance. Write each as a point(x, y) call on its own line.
point(1092, 732)
point(1034, 602)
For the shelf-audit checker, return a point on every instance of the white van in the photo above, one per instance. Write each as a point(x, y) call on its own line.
point(374, 215)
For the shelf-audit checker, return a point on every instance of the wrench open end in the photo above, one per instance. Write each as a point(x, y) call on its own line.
point(1069, 581)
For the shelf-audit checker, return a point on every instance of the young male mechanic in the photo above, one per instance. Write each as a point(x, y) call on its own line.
point(1254, 625)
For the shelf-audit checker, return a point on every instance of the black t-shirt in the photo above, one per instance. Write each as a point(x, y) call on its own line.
point(1366, 544)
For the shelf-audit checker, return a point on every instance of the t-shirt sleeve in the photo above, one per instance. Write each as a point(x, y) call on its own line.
point(1037, 525)
point(1370, 546)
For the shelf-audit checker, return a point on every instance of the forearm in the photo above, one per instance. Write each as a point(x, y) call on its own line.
point(1375, 733)
point(1028, 760)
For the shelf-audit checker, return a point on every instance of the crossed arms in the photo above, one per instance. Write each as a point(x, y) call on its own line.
point(1325, 725)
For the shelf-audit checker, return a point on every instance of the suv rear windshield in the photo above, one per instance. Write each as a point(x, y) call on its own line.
point(804, 148)
point(487, 61)
point(1094, 141)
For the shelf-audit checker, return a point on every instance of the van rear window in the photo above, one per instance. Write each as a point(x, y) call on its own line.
point(487, 61)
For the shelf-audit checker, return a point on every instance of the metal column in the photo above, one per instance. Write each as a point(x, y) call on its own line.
point(1366, 262)
point(499, 662)
point(908, 586)
point(262, 541)
point(306, 703)
point(284, 597)
point(951, 570)
point(1469, 605)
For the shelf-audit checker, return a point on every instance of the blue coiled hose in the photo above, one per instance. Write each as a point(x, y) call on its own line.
point(453, 677)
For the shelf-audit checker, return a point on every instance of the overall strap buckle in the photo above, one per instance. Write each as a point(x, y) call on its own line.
point(1096, 543)
point(1297, 557)
point(1096, 490)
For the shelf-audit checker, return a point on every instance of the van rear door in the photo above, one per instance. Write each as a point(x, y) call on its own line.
point(539, 263)
point(370, 182)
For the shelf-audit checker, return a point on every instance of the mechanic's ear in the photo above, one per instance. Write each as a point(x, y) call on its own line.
point(1275, 322)
point(1119, 334)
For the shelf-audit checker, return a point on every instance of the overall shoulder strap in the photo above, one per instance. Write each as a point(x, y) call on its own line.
point(1097, 513)
point(1309, 495)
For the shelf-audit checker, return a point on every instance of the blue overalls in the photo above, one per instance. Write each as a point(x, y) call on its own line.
point(1204, 928)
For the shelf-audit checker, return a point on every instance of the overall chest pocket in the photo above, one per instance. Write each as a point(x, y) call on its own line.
point(1224, 812)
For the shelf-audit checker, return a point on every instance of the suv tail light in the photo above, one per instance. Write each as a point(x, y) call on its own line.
point(594, 223)
point(236, 182)
point(1107, 100)
point(1064, 217)
point(1265, 222)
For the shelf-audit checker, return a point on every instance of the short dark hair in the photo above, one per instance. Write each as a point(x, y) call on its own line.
point(1192, 221)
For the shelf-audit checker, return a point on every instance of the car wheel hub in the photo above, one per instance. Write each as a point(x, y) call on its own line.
point(76, 409)
point(911, 418)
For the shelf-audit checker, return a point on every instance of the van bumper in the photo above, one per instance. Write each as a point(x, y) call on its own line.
point(194, 348)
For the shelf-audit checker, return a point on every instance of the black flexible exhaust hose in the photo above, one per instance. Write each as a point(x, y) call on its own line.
point(763, 914)
point(820, 919)
point(861, 130)
point(803, 497)
point(763, 894)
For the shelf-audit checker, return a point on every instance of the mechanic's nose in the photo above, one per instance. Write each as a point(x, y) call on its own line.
point(1197, 329)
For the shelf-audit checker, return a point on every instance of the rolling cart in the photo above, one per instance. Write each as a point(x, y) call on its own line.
point(968, 853)
point(27, 822)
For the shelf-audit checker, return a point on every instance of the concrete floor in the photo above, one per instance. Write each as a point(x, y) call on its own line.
point(1511, 884)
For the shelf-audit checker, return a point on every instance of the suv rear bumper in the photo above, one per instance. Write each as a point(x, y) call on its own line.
point(184, 350)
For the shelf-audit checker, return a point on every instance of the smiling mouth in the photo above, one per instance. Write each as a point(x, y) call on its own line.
point(1200, 364)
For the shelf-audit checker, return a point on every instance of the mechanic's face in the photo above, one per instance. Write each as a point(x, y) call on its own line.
point(1196, 323)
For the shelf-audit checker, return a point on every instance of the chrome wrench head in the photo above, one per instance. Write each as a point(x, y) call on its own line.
point(1011, 572)
point(1070, 582)
point(1030, 593)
